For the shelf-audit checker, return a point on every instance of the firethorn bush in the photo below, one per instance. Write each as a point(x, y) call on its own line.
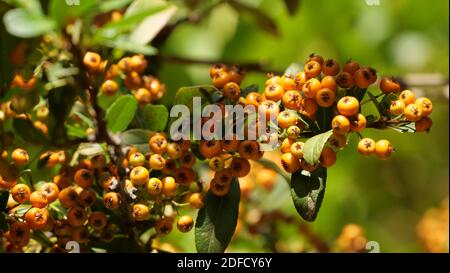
point(87, 154)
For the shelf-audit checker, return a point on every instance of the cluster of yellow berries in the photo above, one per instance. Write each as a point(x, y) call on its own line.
point(127, 71)
point(432, 229)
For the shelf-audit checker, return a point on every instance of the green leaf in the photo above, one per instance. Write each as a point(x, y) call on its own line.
point(314, 146)
point(122, 42)
point(87, 149)
point(324, 116)
point(26, 130)
point(60, 11)
point(3, 223)
point(104, 101)
point(135, 136)
point(293, 69)
point(385, 103)
point(307, 191)
point(4, 195)
point(121, 113)
point(251, 88)
point(359, 93)
point(408, 127)
point(152, 25)
point(309, 122)
point(376, 103)
point(185, 95)
point(106, 6)
point(217, 220)
point(24, 24)
point(155, 117)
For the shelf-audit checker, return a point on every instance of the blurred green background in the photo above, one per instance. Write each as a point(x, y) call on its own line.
point(387, 198)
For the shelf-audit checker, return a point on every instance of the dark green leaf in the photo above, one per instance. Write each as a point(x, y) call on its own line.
point(376, 103)
point(310, 123)
point(385, 103)
point(155, 117)
point(185, 95)
point(307, 191)
point(25, 24)
point(314, 146)
point(105, 101)
point(4, 195)
point(217, 220)
point(324, 116)
point(359, 93)
point(26, 130)
point(121, 113)
point(251, 88)
point(135, 136)
point(3, 223)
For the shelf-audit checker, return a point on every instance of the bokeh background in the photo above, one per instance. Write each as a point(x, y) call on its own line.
point(404, 38)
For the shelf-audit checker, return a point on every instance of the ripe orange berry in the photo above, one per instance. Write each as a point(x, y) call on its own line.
point(253, 98)
point(136, 159)
point(158, 144)
point(286, 119)
point(76, 216)
point(19, 233)
point(291, 99)
point(330, 67)
point(68, 197)
point(139, 175)
point(51, 191)
point(168, 186)
point(426, 104)
point(154, 186)
point(143, 96)
point(140, 212)
point(290, 163)
point(230, 145)
point(389, 85)
point(344, 80)
point(109, 87)
point(309, 107)
point(185, 223)
point(424, 124)
point(87, 198)
point(232, 91)
point(314, 57)
point(216, 68)
point(408, 97)
point(296, 149)
point(36, 218)
point(80, 235)
point(184, 176)
point(327, 157)
point(269, 107)
point(223, 176)
point(111, 200)
point(84, 178)
point(366, 146)
point(164, 226)
point(312, 69)
point(348, 106)
point(287, 82)
point(325, 97)
point(219, 189)
point(351, 67)
point(186, 160)
point(220, 79)
point(210, 148)
point(236, 74)
point(362, 78)
point(305, 166)
point(196, 200)
point(38, 199)
point(20, 157)
point(20, 193)
point(274, 92)
point(337, 141)
point(311, 87)
point(98, 220)
point(216, 163)
point(397, 107)
point(249, 149)
point(157, 162)
point(174, 150)
point(286, 145)
point(340, 125)
point(91, 61)
point(138, 63)
point(124, 65)
point(240, 167)
point(413, 112)
point(383, 149)
point(358, 123)
point(329, 82)
point(300, 80)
